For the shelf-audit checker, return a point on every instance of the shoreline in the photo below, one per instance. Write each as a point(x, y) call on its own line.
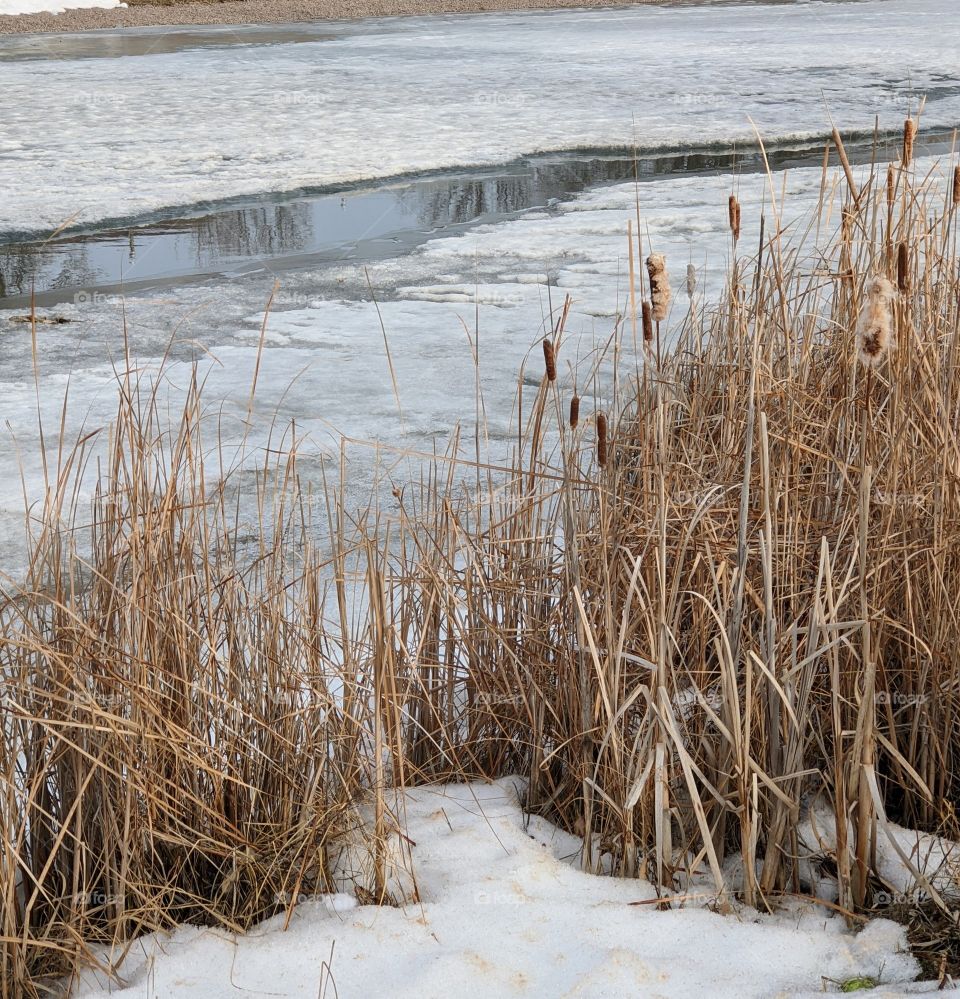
point(225, 12)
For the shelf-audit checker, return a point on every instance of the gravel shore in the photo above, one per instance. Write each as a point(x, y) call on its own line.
point(142, 15)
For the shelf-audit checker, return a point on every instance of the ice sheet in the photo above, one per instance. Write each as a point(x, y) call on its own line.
point(95, 138)
point(325, 358)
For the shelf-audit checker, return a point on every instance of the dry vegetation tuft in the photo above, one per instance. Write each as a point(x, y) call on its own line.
point(728, 592)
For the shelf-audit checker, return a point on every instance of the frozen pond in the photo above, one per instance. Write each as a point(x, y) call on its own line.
point(117, 136)
point(467, 172)
point(360, 224)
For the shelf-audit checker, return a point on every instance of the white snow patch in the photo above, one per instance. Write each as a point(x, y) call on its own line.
point(52, 6)
point(505, 911)
point(935, 858)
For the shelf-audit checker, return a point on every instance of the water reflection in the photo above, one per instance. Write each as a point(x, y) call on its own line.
point(355, 224)
point(253, 232)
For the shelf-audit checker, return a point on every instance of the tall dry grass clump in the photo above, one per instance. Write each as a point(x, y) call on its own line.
point(738, 602)
point(701, 601)
point(187, 736)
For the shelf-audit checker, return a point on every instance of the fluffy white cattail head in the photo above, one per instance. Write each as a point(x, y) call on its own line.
point(691, 281)
point(875, 325)
point(659, 285)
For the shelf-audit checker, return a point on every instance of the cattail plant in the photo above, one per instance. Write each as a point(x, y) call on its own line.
point(691, 281)
point(903, 267)
point(956, 186)
point(646, 312)
point(909, 134)
point(733, 212)
point(550, 359)
point(875, 325)
point(659, 285)
point(228, 754)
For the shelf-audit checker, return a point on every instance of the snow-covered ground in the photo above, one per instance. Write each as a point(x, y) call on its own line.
point(113, 136)
point(52, 6)
point(503, 911)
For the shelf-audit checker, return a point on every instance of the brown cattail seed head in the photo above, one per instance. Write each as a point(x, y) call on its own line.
point(601, 440)
point(891, 186)
point(875, 325)
point(956, 186)
point(574, 412)
point(550, 359)
point(647, 313)
point(659, 285)
point(733, 210)
point(909, 134)
point(903, 267)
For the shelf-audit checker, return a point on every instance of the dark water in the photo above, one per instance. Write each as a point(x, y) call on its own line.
point(351, 224)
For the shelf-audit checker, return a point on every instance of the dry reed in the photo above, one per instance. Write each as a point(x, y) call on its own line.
point(751, 610)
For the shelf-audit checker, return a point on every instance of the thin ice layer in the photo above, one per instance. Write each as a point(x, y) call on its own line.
point(325, 360)
point(95, 138)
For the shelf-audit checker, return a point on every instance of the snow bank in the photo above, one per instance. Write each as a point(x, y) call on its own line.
point(902, 854)
point(51, 6)
point(505, 911)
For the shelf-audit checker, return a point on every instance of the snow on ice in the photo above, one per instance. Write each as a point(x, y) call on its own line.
point(237, 115)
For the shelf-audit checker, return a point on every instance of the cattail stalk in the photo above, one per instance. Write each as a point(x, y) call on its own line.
point(845, 163)
point(733, 212)
point(903, 267)
point(909, 134)
point(891, 201)
point(647, 313)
